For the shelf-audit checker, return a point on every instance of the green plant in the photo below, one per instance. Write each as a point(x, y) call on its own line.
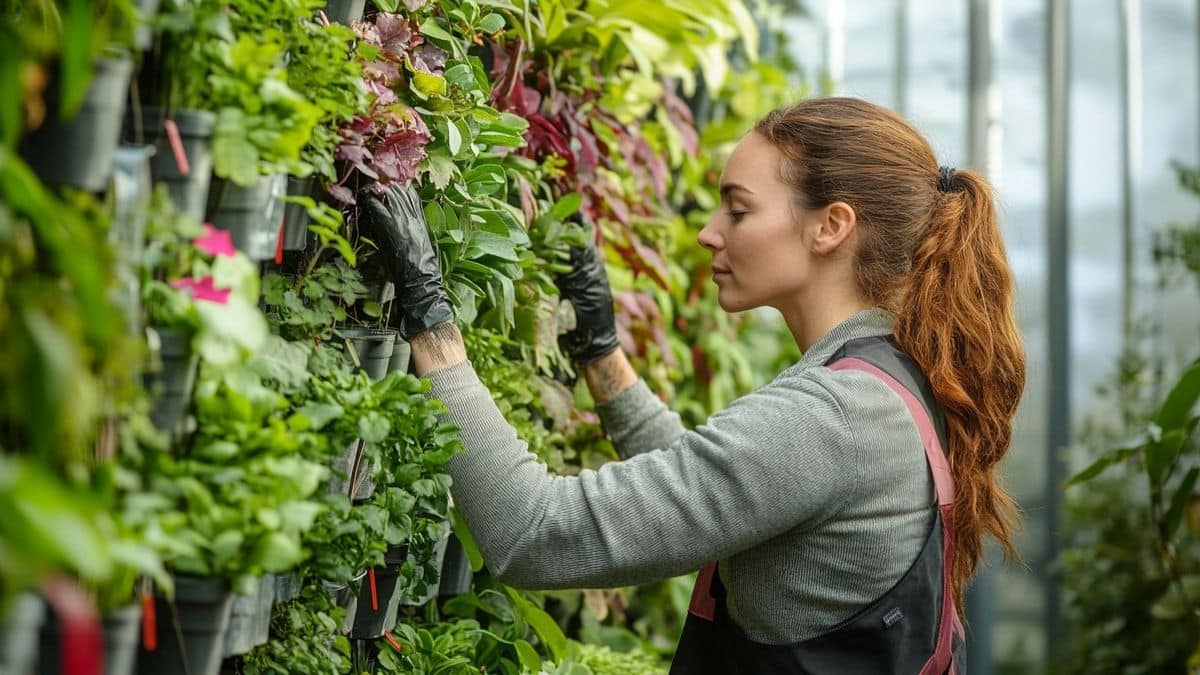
point(306, 638)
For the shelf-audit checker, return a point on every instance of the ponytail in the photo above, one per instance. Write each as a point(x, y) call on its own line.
point(956, 321)
point(929, 249)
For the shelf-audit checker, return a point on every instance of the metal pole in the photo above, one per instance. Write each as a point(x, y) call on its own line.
point(982, 111)
point(900, 84)
point(1058, 304)
point(1131, 155)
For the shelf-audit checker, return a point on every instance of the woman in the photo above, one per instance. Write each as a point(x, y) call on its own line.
point(844, 541)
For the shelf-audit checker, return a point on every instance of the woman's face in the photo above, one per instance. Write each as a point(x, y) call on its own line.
point(757, 238)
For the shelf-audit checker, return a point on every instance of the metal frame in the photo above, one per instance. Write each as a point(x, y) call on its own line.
point(1131, 154)
point(1058, 306)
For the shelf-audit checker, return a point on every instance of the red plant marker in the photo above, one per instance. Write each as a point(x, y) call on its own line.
point(181, 160)
point(374, 597)
point(279, 239)
point(392, 641)
point(149, 625)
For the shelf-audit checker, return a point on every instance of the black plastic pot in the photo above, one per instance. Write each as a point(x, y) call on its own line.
point(456, 570)
point(79, 152)
point(202, 606)
point(372, 619)
point(250, 618)
point(374, 348)
point(251, 214)
point(439, 558)
point(19, 635)
point(172, 385)
point(295, 216)
point(189, 191)
point(345, 11)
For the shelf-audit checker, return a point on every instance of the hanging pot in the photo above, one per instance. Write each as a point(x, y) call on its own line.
point(345, 11)
point(172, 385)
point(189, 191)
point(121, 635)
point(456, 570)
point(190, 630)
point(19, 635)
point(287, 587)
point(377, 607)
point(401, 355)
point(251, 214)
point(144, 35)
point(344, 596)
point(372, 346)
point(439, 559)
point(295, 216)
point(250, 617)
point(79, 152)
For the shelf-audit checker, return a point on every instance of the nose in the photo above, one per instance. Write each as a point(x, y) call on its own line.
point(708, 237)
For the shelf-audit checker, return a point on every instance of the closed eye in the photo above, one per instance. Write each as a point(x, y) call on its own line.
point(737, 215)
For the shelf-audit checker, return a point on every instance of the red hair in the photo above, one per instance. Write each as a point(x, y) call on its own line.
point(933, 255)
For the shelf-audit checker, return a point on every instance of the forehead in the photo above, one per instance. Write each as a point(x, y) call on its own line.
point(754, 163)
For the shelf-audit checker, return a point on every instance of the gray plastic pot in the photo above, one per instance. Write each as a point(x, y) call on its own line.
point(345, 11)
point(251, 214)
point(144, 35)
point(401, 355)
point(189, 191)
point(343, 596)
point(79, 151)
point(373, 347)
point(295, 216)
point(202, 606)
point(172, 386)
point(287, 587)
point(250, 617)
point(439, 559)
point(19, 635)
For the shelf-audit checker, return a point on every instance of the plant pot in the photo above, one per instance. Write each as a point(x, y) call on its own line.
point(143, 37)
point(131, 190)
point(189, 191)
point(251, 214)
point(372, 619)
point(19, 635)
point(172, 385)
point(439, 560)
point(358, 475)
point(121, 635)
point(287, 587)
point(250, 617)
point(343, 596)
point(401, 355)
point(373, 347)
point(345, 11)
point(202, 606)
point(79, 152)
point(295, 216)
point(456, 570)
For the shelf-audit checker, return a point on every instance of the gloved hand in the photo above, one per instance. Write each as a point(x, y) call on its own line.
point(396, 222)
point(586, 287)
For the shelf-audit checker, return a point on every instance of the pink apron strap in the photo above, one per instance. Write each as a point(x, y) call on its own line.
point(942, 659)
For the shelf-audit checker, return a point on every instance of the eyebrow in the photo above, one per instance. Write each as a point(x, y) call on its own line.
point(726, 188)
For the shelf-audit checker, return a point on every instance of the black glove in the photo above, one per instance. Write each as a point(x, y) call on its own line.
point(586, 287)
point(396, 222)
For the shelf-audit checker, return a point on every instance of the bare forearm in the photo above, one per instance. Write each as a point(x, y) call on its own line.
point(439, 346)
point(609, 375)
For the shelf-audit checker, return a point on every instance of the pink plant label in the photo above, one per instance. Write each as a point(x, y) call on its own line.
point(203, 289)
point(173, 138)
point(215, 242)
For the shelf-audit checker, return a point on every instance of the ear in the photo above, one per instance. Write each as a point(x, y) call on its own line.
point(835, 226)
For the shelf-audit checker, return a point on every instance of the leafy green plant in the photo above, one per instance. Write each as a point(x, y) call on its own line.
point(306, 638)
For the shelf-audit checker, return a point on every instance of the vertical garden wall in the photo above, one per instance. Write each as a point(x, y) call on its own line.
point(212, 456)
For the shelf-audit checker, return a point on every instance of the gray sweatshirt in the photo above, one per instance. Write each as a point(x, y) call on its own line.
point(813, 493)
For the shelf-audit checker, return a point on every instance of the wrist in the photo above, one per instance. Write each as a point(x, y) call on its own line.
point(609, 375)
point(439, 346)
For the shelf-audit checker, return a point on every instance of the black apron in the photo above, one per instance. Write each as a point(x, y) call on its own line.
point(913, 629)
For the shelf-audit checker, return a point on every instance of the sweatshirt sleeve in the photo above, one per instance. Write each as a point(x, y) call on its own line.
point(636, 421)
point(780, 458)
